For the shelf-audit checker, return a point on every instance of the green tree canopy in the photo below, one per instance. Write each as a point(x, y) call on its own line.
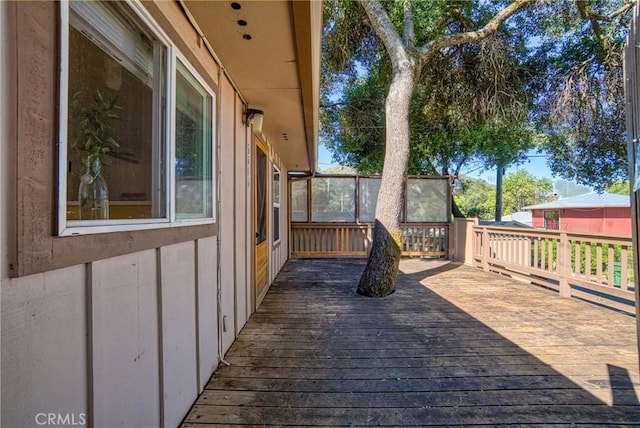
point(522, 188)
point(557, 65)
point(619, 187)
point(578, 46)
point(470, 101)
point(477, 199)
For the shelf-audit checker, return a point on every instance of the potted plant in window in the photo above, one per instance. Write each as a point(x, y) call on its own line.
point(93, 137)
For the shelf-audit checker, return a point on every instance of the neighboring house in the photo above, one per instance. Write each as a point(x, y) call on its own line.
point(590, 213)
point(522, 218)
point(118, 316)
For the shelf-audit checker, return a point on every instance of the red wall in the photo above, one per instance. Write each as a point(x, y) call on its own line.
point(609, 220)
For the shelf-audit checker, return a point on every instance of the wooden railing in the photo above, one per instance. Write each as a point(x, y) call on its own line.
point(354, 240)
point(593, 267)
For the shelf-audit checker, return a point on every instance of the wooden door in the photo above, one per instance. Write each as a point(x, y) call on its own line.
point(261, 220)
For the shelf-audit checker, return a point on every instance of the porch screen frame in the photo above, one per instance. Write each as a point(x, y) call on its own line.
point(357, 178)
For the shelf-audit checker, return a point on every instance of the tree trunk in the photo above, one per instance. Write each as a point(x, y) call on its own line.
point(455, 209)
point(379, 276)
point(499, 174)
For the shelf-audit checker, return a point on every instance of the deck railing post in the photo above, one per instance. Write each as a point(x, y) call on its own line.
point(564, 265)
point(486, 251)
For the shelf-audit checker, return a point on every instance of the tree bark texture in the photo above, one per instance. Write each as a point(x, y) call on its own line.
point(379, 276)
point(455, 210)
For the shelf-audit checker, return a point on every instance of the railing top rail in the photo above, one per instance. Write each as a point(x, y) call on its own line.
point(324, 225)
point(363, 224)
point(321, 175)
point(603, 237)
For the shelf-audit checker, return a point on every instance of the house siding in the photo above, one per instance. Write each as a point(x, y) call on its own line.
point(611, 220)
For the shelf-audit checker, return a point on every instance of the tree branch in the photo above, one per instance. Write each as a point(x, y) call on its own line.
point(428, 50)
point(595, 25)
point(604, 18)
point(384, 29)
point(409, 32)
point(595, 19)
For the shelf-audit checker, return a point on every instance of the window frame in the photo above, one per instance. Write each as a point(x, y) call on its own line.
point(173, 55)
point(278, 204)
point(545, 220)
point(172, 144)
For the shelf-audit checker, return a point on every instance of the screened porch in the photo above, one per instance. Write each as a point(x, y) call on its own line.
point(333, 215)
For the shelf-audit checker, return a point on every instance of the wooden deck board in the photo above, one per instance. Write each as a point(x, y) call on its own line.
point(453, 346)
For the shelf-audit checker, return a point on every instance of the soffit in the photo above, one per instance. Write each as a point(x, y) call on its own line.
point(264, 68)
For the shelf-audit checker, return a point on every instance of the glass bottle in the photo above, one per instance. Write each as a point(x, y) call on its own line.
point(93, 193)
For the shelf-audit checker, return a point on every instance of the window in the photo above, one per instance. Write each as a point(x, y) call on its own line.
point(276, 204)
point(261, 195)
point(551, 220)
point(133, 155)
point(194, 142)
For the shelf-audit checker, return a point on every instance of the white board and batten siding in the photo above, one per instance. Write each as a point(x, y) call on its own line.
point(134, 338)
point(208, 333)
point(243, 232)
point(279, 250)
point(227, 219)
point(123, 305)
point(44, 346)
point(179, 356)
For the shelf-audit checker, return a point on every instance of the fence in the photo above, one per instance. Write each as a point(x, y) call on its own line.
point(592, 267)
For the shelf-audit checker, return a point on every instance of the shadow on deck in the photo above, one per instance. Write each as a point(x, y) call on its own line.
point(452, 346)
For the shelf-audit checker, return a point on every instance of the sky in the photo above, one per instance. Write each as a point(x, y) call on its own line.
point(536, 165)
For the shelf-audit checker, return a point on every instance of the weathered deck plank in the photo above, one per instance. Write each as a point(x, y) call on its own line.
point(452, 346)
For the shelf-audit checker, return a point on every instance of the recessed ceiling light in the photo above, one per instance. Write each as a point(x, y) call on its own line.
point(246, 36)
point(235, 5)
point(242, 22)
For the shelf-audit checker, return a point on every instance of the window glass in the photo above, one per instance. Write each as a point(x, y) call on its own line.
point(276, 204)
point(115, 167)
point(299, 208)
point(261, 195)
point(552, 220)
point(333, 199)
point(427, 200)
point(194, 143)
point(116, 73)
point(368, 198)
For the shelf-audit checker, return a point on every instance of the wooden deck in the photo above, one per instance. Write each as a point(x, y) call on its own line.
point(452, 346)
